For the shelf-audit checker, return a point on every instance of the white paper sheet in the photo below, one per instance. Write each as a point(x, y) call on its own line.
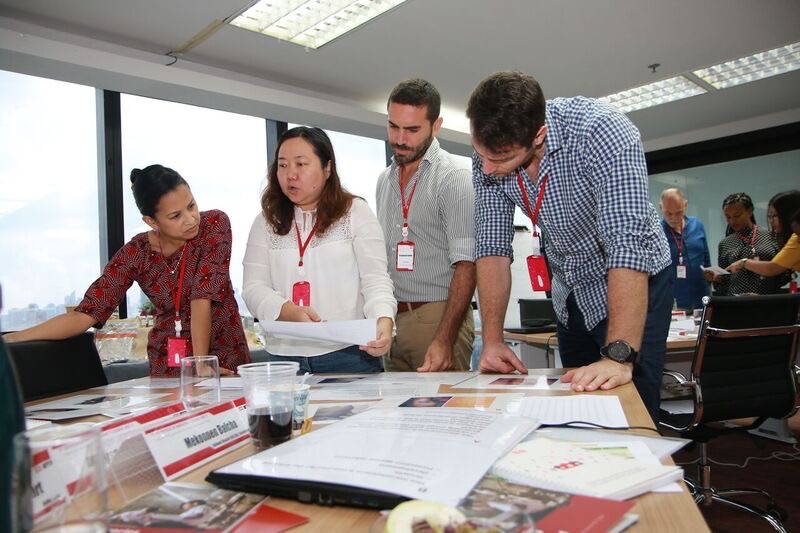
point(686, 325)
point(719, 271)
point(513, 382)
point(481, 402)
point(440, 378)
point(144, 383)
point(443, 452)
point(358, 332)
point(374, 391)
point(97, 401)
point(602, 410)
point(659, 446)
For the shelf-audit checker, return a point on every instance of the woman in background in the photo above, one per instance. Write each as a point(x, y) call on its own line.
point(316, 252)
point(186, 253)
point(780, 210)
point(745, 241)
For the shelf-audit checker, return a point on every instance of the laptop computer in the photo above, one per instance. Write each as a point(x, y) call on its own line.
point(535, 316)
point(306, 491)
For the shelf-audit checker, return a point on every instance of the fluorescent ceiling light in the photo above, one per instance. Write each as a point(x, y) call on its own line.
point(653, 94)
point(752, 68)
point(310, 23)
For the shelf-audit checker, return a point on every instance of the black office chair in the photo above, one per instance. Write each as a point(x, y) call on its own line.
point(50, 368)
point(743, 367)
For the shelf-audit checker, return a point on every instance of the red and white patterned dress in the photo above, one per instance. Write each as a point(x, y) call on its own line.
point(207, 277)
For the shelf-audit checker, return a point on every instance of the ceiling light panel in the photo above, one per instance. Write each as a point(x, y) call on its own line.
point(310, 23)
point(752, 68)
point(653, 94)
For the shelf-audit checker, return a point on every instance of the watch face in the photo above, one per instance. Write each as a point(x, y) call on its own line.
point(619, 351)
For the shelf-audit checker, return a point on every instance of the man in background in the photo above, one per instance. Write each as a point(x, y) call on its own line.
point(689, 249)
point(425, 206)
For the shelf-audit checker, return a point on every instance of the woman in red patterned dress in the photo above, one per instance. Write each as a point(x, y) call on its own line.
point(183, 244)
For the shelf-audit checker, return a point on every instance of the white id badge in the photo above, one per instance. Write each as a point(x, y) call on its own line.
point(681, 271)
point(405, 256)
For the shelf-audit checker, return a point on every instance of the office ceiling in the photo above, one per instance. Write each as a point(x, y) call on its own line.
point(574, 47)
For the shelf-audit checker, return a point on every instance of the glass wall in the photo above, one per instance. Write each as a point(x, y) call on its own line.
point(221, 155)
point(49, 230)
point(707, 186)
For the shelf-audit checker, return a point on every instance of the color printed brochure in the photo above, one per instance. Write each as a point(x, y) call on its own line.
point(431, 453)
point(187, 507)
point(566, 467)
point(497, 504)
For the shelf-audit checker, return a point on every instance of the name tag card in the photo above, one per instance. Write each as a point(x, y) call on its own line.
point(191, 440)
point(50, 493)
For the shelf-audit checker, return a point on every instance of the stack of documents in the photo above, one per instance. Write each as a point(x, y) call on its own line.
point(581, 469)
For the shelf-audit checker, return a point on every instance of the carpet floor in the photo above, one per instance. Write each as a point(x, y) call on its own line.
point(781, 478)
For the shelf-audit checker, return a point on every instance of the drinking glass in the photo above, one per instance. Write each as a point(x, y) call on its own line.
point(59, 480)
point(269, 396)
point(200, 385)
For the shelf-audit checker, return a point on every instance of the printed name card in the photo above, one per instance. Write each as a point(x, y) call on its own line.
point(59, 474)
point(118, 432)
point(186, 442)
point(50, 493)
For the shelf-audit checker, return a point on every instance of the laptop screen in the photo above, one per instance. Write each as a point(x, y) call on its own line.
point(536, 309)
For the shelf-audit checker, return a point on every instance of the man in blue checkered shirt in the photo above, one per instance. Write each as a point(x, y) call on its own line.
point(612, 289)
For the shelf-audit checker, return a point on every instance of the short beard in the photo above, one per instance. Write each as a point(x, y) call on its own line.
point(416, 155)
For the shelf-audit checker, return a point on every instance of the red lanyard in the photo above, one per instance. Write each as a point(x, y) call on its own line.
point(678, 244)
point(752, 242)
point(534, 216)
point(405, 206)
point(303, 245)
point(177, 297)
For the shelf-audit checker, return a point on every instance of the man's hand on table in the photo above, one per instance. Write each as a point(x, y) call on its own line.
point(604, 374)
point(497, 357)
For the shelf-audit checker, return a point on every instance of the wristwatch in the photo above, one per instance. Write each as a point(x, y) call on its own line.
point(620, 351)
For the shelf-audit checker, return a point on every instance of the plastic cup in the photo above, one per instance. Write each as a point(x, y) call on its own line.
point(200, 385)
point(59, 480)
point(301, 394)
point(269, 395)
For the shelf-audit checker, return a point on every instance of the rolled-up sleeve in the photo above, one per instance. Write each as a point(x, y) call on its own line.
point(624, 216)
point(494, 216)
point(457, 204)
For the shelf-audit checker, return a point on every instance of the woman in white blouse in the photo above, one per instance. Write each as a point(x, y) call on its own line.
point(316, 252)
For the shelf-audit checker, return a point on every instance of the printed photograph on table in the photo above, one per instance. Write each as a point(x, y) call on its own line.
point(497, 504)
point(333, 413)
point(426, 401)
point(471, 401)
point(178, 506)
point(508, 381)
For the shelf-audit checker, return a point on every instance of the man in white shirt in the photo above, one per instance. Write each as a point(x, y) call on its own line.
point(425, 205)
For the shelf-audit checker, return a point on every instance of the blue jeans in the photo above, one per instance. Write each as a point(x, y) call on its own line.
point(348, 360)
point(579, 346)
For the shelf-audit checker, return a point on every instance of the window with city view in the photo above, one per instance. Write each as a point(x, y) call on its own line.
point(49, 229)
point(223, 157)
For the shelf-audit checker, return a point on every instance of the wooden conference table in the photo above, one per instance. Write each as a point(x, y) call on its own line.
point(656, 511)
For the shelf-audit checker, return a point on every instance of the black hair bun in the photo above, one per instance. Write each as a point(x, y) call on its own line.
point(136, 174)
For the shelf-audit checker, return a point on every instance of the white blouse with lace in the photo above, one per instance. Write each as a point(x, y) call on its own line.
point(346, 267)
